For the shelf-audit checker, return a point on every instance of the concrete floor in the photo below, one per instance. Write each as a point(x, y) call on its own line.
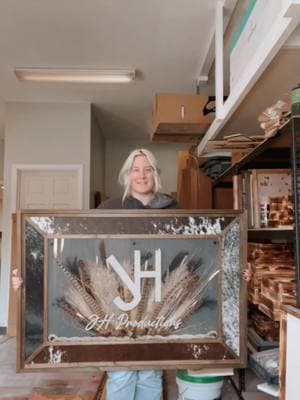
point(20, 386)
point(13, 386)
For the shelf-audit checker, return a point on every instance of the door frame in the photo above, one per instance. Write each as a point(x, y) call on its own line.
point(18, 168)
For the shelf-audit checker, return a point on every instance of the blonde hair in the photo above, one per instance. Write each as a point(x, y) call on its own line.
point(124, 175)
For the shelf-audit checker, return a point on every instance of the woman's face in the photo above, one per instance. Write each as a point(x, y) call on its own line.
point(141, 176)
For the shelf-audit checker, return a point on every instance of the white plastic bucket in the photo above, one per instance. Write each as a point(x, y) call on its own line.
point(198, 387)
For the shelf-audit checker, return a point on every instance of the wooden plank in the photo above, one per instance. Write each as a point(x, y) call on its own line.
point(236, 192)
point(103, 387)
point(223, 198)
point(255, 201)
point(67, 389)
point(14, 386)
point(291, 310)
point(176, 137)
point(204, 191)
point(282, 355)
point(194, 188)
point(13, 304)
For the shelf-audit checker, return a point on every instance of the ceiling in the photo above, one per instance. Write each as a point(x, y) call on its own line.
point(166, 41)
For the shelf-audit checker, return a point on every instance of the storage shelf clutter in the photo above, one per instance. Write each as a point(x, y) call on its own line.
point(265, 183)
point(267, 195)
point(215, 166)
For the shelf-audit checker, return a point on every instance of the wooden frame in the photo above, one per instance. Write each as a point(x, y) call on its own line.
point(56, 332)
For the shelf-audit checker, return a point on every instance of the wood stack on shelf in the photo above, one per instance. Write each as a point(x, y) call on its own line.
point(263, 332)
point(274, 117)
point(274, 275)
point(234, 143)
point(264, 326)
point(280, 211)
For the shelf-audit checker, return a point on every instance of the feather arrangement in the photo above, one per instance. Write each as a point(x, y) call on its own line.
point(90, 296)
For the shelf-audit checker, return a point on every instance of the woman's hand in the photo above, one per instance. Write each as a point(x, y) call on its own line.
point(16, 280)
point(247, 273)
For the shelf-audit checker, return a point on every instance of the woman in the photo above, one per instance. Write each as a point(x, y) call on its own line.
point(140, 178)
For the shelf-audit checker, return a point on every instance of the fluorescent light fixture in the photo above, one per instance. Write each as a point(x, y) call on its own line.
point(75, 75)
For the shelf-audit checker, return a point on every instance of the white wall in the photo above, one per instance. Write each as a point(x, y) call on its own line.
point(1, 158)
point(41, 133)
point(292, 358)
point(97, 160)
point(1, 179)
point(118, 150)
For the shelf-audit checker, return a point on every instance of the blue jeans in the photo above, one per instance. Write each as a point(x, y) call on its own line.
point(134, 385)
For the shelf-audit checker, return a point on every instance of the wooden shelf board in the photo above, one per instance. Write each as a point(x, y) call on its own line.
point(278, 144)
point(281, 229)
point(295, 311)
point(267, 235)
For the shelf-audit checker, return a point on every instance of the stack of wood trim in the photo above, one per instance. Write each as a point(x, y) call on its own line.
point(264, 326)
point(234, 142)
point(274, 274)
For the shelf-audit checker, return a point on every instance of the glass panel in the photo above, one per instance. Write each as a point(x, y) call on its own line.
point(34, 288)
point(89, 296)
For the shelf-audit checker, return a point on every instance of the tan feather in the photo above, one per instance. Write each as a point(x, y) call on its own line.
point(176, 279)
point(104, 286)
point(88, 299)
point(76, 301)
point(84, 278)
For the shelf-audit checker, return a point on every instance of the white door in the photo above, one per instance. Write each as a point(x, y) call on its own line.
point(48, 190)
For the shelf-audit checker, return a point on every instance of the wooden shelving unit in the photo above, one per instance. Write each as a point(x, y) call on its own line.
point(281, 151)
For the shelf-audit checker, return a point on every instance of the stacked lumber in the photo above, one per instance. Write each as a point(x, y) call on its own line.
point(281, 211)
point(265, 327)
point(274, 275)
